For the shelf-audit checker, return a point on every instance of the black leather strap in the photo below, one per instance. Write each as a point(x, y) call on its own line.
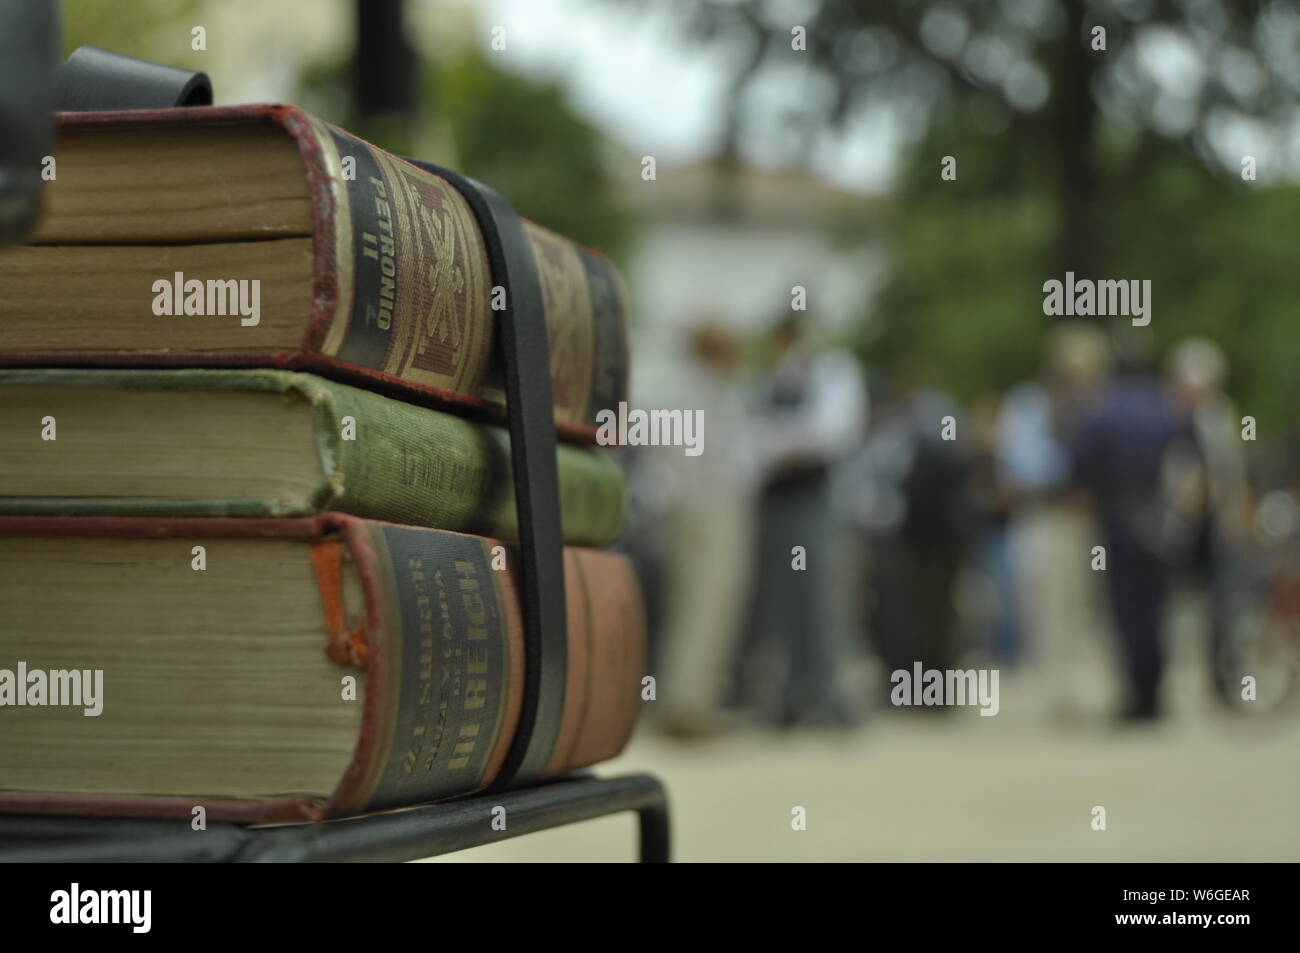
point(521, 335)
point(96, 79)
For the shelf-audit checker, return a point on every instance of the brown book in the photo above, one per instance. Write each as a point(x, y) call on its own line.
point(282, 670)
point(368, 269)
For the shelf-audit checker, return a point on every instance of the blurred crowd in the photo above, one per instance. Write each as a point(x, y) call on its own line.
point(841, 516)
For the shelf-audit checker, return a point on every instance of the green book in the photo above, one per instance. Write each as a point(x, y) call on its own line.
point(275, 444)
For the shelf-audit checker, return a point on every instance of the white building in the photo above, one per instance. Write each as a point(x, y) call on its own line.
point(732, 255)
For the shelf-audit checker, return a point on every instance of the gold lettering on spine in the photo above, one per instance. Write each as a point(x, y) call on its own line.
point(424, 675)
point(425, 739)
point(560, 269)
point(461, 682)
point(383, 248)
point(464, 747)
point(444, 324)
point(476, 662)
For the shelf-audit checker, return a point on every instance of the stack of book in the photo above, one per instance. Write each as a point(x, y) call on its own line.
point(256, 503)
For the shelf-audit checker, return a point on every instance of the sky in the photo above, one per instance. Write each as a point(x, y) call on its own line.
point(632, 75)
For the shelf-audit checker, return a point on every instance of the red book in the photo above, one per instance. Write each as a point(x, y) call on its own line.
point(368, 268)
point(285, 670)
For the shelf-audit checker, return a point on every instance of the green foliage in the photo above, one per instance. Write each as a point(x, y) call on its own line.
point(1044, 181)
point(521, 137)
point(964, 304)
point(1220, 254)
point(150, 29)
point(963, 307)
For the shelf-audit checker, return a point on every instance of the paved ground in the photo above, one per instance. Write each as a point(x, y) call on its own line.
point(1019, 786)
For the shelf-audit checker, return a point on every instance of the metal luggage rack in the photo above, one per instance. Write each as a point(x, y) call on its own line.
point(400, 835)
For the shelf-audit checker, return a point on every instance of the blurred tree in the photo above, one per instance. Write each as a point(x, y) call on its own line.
point(1044, 61)
point(521, 137)
point(970, 257)
point(1091, 135)
point(150, 29)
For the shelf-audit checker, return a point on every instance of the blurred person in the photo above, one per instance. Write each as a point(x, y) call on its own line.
point(811, 412)
point(1216, 502)
point(916, 504)
point(1121, 452)
point(992, 502)
point(1052, 535)
point(910, 499)
point(706, 540)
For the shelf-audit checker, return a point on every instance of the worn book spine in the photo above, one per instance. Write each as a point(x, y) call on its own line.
point(405, 463)
point(401, 295)
point(442, 652)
